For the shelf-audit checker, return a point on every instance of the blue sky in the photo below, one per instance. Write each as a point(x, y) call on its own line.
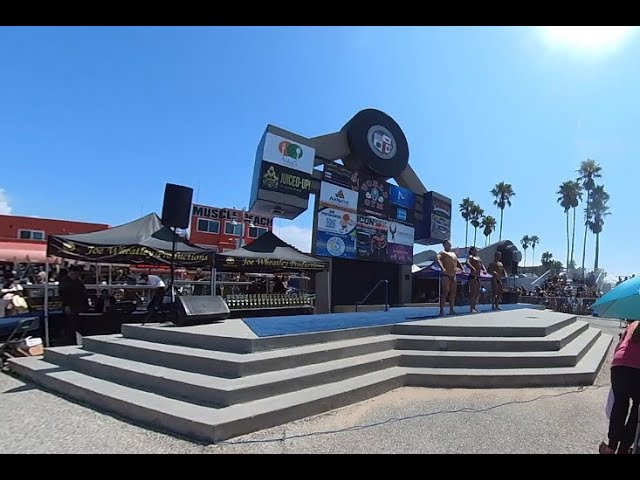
point(94, 121)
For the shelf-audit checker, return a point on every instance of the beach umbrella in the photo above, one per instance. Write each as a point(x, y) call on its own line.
point(621, 302)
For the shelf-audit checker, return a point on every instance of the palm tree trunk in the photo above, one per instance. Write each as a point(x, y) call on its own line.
point(533, 256)
point(475, 235)
point(466, 234)
point(501, 215)
point(573, 236)
point(568, 241)
point(586, 229)
point(525, 257)
point(595, 266)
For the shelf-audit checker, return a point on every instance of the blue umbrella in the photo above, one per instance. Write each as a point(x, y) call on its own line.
point(621, 302)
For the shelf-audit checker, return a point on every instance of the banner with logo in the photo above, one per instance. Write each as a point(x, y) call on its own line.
point(400, 234)
point(373, 197)
point(402, 197)
point(330, 244)
point(402, 254)
point(341, 198)
point(288, 153)
point(125, 254)
point(277, 178)
point(371, 238)
point(342, 176)
point(336, 221)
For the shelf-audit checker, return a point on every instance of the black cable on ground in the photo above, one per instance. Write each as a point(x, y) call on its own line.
point(410, 417)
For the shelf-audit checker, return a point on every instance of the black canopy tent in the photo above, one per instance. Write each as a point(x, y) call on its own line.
point(267, 254)
point(143, 241)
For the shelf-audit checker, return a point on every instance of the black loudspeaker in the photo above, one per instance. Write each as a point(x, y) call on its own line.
point(176, 208)
point(194, 309)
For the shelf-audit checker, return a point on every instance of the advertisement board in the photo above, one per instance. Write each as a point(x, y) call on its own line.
point(335, 196)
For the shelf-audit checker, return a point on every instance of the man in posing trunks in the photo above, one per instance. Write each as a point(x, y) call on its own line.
point(476, 267)
point(448, 263)
point(497, 271)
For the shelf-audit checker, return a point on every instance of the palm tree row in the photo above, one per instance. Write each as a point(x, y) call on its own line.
point(529, 241)
point(570, 195)
point(472, 213)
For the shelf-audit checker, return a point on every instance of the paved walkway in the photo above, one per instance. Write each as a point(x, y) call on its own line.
point(407, 420)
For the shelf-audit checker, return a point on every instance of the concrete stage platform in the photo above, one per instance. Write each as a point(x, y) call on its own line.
point(213, 382)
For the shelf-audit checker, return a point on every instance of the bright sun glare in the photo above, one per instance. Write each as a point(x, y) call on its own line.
point(588, 38)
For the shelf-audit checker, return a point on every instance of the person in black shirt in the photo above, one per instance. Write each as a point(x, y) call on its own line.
point(74, 299)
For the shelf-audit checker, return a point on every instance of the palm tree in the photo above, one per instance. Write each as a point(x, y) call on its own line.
point(570, 196)
point(489, 226)
point(587, 173)
point(465, 210)
point(534, 240)
point(502, 193)
point(598, 209)
point(546, 258)
point(525, 241)
point(476, 217)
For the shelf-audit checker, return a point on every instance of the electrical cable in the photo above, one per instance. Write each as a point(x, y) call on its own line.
point(409, 417)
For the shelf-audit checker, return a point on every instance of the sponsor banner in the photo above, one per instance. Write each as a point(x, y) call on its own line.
point(402, 254)
point(341, 198)
point(441, 208)
point(374, 197)
point(215, 213)
point(342, 176)
point(371, 239)
point(400, 234)
point(127, 254)
point(402, 197)
point(228, 263)
point(330, 244)
point(277, 178)
point(336, 221)
point(401, 214)
point(440, 226)
point(288, 153)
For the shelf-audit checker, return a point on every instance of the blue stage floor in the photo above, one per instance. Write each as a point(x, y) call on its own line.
point(275, 326)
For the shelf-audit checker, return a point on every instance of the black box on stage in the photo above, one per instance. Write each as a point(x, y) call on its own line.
point(194, 309)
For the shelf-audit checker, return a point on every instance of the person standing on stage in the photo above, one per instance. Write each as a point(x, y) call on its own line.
point(497, 272)
point(448, 263)
point(476, 267)
point(159, 287)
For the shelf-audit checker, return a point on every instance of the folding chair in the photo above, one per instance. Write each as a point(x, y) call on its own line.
point(19, 333)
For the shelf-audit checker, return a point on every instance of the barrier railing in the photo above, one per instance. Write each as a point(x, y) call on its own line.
point(375, 287)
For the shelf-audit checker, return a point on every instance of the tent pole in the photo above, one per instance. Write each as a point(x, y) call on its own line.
point(46, 304)
point(213, 281)
point(173, 259)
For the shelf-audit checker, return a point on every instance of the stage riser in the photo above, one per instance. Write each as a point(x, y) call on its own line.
point(466, 331)
point(173, 385)
point(189, 362)
point(184, 386)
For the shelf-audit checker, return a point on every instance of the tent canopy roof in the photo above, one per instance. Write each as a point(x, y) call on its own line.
point(145, 240)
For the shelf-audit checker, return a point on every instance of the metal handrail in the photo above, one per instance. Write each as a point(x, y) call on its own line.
point(386, 295)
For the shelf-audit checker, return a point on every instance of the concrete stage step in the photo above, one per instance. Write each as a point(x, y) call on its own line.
point(554, 341)
point(211, 425)
point(233, 365)
point(198, 422)
point(215, 391)
point(208, 394)
point(568, 356)
point(583, 373)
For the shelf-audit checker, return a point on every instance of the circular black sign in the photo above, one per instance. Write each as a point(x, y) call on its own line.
point(377, 143)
